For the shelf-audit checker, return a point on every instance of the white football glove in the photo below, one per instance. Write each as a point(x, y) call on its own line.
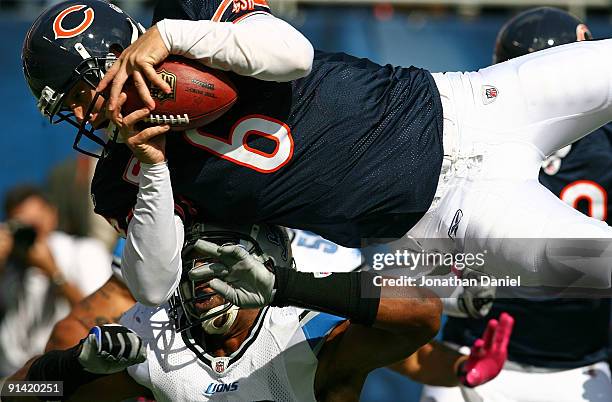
point(110, 349)
point(470, 301)
point(240, 278)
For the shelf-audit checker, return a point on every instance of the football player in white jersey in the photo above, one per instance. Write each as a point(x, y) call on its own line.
point(265, 353)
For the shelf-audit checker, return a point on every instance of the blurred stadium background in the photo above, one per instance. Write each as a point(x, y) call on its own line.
point(442, 35)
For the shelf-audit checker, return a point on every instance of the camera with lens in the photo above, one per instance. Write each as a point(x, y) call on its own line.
point(23, 234)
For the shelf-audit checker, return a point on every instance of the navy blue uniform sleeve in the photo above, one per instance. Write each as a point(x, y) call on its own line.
point(214, 10)
point(114, 189)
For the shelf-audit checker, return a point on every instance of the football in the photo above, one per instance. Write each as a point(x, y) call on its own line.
point(199, 95)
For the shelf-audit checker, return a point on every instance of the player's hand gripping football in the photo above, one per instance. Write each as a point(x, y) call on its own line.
point(488, 354)
point(148, 144)
point(238, 277)
point(137, 61)
point(110, 349)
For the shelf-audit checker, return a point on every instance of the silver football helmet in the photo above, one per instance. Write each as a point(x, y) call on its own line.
point(270, 244)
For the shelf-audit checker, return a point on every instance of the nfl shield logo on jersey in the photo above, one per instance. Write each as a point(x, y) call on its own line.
point(219, 364)
point(489, 94)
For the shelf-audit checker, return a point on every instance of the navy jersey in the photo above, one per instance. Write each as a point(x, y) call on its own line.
point(214, 10)
point(560, 333)
point(351, 151)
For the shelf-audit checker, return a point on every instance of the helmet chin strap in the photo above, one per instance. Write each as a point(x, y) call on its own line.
point(209, 325)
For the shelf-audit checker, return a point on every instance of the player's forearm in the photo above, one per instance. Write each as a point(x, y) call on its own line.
point(433, 364)
point(260, 46)
point(414, 313)
point(151, 259)
point(106, 350)
point(113, 387)
point(60, 365)
point(22, 373)
point(66, 333)
point(104, 306)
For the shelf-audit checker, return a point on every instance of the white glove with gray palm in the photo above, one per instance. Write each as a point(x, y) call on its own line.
point(238, 276)
point(110, 349)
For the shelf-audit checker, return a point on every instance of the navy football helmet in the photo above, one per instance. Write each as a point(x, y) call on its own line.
point(537, 29)
point(269, 244)
point(74, 41)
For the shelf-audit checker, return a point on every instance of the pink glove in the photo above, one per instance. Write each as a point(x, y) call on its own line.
point(488, 354)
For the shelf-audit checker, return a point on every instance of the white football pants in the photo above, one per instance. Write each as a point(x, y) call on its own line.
point(500, 123)
point(584, 384)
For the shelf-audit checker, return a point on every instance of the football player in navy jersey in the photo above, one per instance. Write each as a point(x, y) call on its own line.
point(351, 150)
point(564, 340)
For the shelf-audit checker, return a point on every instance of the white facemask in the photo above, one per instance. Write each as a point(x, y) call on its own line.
point(230, 316)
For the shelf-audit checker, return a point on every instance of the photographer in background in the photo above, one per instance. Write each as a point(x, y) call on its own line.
point(43, 273)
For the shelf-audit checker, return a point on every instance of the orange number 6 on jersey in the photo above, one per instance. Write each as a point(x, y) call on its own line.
point(237, 150)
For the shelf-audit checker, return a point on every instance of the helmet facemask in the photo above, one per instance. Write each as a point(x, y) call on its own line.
point(183, 310)
point(51, 104)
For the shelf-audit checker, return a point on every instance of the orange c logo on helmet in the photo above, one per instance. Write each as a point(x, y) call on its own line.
point(583, 33)
point(61, 32)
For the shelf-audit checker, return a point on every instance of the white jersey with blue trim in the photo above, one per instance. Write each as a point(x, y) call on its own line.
point(116, 260)
point(312, 253)
point(276, 362)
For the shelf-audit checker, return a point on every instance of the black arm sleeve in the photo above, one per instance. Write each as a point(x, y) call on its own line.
point(351, 295)
point(61, 365)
